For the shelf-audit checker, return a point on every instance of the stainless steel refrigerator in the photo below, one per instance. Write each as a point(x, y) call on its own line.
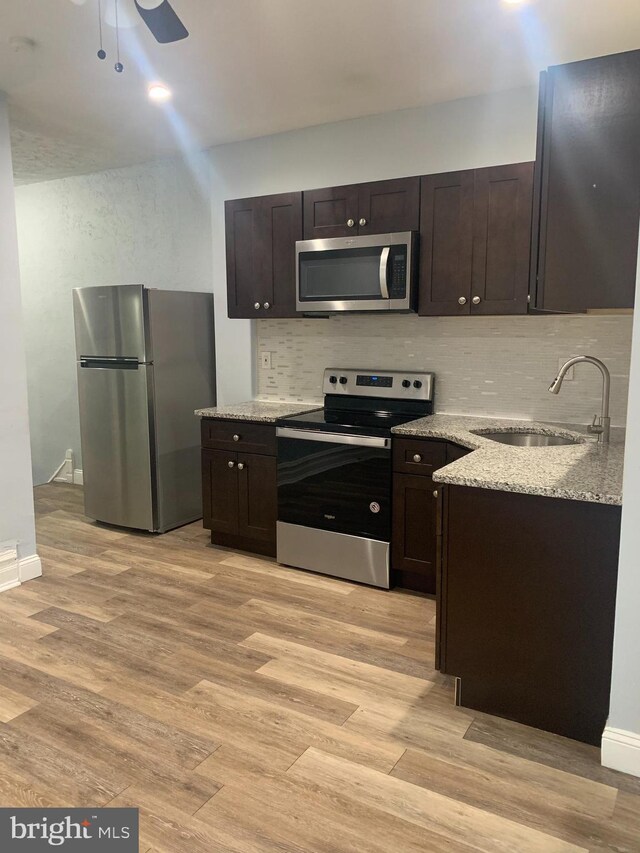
point(145, 361)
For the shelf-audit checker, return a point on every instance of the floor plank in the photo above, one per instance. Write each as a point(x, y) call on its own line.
point(439, 815)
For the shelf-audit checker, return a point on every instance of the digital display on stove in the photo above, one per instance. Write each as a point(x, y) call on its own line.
point(375, 381)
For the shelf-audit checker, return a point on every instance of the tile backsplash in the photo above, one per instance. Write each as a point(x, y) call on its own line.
point(484, 365)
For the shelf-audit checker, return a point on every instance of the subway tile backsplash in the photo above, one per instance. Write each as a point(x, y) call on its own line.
point(484, 365)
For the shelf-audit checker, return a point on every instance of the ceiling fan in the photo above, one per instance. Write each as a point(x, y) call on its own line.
point(159, 16)
point(162, 20)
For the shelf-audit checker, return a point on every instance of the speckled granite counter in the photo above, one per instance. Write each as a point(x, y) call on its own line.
point(256, 410)
point(583, 472)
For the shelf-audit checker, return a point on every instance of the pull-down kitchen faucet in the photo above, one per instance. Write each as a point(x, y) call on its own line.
point(601, 425)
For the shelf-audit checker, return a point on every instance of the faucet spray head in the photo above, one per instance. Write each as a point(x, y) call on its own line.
point(555, 386)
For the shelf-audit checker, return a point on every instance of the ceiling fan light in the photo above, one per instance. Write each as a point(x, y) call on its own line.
point(158, 92)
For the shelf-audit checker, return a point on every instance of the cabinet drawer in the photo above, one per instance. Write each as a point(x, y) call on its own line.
point(239, 435)
point(417, 456)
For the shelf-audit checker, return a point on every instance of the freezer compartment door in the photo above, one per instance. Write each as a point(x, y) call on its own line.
point(117, 451)
point(111, 321)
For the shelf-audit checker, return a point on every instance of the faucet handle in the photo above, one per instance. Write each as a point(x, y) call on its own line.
point(596, 426)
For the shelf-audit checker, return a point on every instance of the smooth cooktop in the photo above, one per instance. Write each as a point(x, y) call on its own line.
point(358, 423)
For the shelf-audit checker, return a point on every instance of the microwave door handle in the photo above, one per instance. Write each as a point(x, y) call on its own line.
point(384, 261)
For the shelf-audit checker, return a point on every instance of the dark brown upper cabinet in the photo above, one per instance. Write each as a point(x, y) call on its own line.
point(587, 185)
point(475, 238)
point(373, 208)
point(261, 236)
point(446, 243)
point(502, 209)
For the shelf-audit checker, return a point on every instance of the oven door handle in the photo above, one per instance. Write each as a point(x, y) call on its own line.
point(333, 437)
point(384, 262)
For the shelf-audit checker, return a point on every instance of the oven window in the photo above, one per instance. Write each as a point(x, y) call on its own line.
point(340, 274)
point(334, 487)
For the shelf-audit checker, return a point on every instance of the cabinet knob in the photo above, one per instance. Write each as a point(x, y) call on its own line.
point(240, 466)
point(267, 305)
point(462, 300)
point(476, 300)
point(417, 457)
point(351, 223)
point(236, 437)
point(256, 305)
point(231, 463)
point(435, 492)
point(362, 221)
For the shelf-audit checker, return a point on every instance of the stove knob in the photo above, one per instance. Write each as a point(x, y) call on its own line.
point(333, 379)
point(406, 383)
point(343, 380)
point(417, 384)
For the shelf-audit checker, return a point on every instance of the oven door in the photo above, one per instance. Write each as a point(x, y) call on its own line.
point(370, 273)
point(335, 482)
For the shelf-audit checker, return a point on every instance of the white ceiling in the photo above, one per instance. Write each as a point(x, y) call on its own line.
point(256, 67)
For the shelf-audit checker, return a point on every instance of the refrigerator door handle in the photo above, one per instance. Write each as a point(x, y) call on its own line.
point(110, 362)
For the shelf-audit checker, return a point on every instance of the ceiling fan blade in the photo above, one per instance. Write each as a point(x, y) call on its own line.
point(163, 22)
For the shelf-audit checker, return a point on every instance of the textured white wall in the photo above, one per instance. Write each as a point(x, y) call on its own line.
point(468, 133)
point(147, 225)
point(484, 365)
point(16, 498)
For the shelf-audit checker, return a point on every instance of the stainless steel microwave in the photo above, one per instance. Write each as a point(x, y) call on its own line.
point(372, 273)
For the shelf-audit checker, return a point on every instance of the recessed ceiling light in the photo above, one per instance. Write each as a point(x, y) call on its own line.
point(513, 2)
point(159, 92)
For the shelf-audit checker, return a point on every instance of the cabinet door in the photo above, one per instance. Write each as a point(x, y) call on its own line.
point(389, 206)
point(261, 234)
point(446, 243)
point(589, 184)
point(219, 491)
point(502, 208)
point(327, 212)
point(247, 284)
point(257, 497)
point(414, 532)
point(280, 219)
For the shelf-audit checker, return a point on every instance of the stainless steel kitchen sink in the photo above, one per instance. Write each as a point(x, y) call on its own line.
point(529, 439)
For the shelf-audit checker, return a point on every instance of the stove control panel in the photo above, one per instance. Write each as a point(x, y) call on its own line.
point(374, 381)
point(389, 384)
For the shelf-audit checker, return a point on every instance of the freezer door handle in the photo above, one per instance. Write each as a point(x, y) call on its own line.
point(109, 362)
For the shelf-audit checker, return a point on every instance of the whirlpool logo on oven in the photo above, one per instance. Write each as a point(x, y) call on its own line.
point(86, 830)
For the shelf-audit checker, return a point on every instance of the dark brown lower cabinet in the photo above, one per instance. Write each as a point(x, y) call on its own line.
point(413, 546)
point(239, 494)
point(416, 511)
point(219, 492)
point(257, 498)
point(528, 602)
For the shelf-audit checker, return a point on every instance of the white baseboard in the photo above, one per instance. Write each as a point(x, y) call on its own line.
point(621, 750)
point(13, 571)
point(9, 571)
point(78, 477)
point(65, 472)
point(30, 568)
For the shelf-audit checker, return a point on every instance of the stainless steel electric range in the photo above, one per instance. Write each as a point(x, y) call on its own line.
point(334, 472)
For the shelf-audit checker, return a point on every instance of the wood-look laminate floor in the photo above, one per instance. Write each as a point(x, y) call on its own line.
point(247, 707)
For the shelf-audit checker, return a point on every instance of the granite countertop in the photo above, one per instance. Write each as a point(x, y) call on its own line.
point(583, 472)
point(256, 410)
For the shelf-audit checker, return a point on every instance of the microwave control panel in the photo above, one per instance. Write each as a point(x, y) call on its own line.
point(398, 279)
